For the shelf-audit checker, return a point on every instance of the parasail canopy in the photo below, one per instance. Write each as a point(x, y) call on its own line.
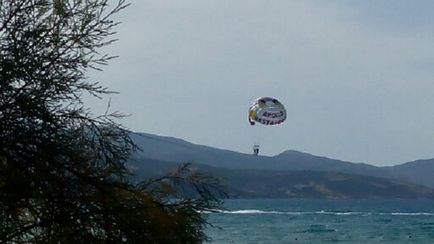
point(267, 111)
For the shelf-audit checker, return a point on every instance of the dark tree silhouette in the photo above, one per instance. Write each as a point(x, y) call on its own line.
point(62, 170)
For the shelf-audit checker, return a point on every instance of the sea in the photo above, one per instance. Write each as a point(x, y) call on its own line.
point(322, 221)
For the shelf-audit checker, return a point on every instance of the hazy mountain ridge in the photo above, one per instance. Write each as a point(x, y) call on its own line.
point(254, 183)
point(420, 171)
point(170, 149)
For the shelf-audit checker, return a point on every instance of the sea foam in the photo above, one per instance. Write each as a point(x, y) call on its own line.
point(349, 213)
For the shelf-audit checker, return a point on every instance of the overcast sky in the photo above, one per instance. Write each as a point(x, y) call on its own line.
point(356, 77)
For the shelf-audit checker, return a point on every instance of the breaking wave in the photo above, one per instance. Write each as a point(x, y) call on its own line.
point(257, 211)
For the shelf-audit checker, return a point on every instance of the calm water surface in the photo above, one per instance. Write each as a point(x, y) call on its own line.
point(323, 221)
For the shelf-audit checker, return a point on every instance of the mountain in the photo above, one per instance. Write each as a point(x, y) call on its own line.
point(177, 150)
point(420, 171)
point(168, 149)
point(255, 183)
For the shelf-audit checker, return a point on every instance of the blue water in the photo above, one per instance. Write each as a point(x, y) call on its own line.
point(323, 221)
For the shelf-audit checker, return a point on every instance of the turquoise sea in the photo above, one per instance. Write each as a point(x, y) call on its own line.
point(323, 221)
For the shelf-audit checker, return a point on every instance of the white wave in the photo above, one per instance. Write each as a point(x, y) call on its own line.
point(341, 213)
point(257, 211)
point(348, 213)
point(413, 214)
point(252, 211)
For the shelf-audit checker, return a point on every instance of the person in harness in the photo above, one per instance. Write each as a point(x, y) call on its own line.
point(255, 150)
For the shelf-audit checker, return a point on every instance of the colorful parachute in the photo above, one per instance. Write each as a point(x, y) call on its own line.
point(267, 111)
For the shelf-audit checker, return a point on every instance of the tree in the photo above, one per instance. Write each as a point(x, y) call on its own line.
point(62, 170)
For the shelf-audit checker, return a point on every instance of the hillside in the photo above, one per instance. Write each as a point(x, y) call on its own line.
point(253, 183)
point(177, 150)
point(420, 171)
point(169, 149)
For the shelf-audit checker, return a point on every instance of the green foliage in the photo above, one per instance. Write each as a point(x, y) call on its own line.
point(62, 172)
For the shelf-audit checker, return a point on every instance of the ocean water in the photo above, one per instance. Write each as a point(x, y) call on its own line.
point(323, 221)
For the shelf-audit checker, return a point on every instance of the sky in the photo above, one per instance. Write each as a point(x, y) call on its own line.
point(356, 77)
